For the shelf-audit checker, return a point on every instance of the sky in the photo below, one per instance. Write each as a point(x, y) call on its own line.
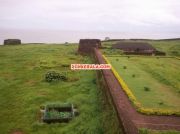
point(129, 16)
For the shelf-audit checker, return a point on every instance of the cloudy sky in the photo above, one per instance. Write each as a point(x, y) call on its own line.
point(145, 16)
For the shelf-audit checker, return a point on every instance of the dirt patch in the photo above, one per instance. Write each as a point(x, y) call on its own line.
point(7, 75)
point(30, 82)
point(30, 65)
point(42, 93)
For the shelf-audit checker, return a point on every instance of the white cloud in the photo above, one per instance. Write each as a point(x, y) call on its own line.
point(102, 15)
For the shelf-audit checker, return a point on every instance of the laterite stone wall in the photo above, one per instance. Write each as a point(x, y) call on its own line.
point(112, 87)
point(12, 42)
point(86, 46)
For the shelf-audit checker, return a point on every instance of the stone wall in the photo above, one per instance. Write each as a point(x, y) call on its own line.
point(86, 46)
point(112, 88)
point(12, 42)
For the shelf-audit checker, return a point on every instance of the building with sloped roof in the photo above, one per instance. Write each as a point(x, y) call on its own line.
point(135, 47)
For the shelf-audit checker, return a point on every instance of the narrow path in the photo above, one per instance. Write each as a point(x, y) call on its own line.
point(130, 118)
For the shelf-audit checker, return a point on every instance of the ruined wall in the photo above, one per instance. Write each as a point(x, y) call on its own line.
point(112, 87)
point(12, 41)
point(107, 100)
point(86, 46)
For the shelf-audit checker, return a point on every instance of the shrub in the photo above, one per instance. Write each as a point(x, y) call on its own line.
point(65, 65)
point(94, 81)
point(133, 75)
point(161, 103)
point(146, 89)
point(54, 76)
point(124, 67)
point(72, 58)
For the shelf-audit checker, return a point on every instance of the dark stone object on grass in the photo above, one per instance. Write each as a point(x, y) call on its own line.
point(12, 42)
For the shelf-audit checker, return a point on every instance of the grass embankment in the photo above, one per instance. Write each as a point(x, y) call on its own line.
point(23, 90)
point(153, 81)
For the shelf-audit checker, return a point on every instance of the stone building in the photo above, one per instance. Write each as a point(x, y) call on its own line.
point(12, 42)
point(135, 48)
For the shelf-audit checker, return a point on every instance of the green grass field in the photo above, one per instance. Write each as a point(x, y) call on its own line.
point(23, 90)
point(155, 82)
point(172, 48)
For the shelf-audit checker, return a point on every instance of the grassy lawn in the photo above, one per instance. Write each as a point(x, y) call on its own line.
point(153, 81)
point(171, 48)
point(23, 90)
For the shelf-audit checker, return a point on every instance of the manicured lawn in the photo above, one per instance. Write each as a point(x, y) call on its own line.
point(23, 90)
point(155, 82)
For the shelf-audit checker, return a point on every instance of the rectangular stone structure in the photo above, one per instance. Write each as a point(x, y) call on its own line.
point(86, 46)
point(12, 42)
